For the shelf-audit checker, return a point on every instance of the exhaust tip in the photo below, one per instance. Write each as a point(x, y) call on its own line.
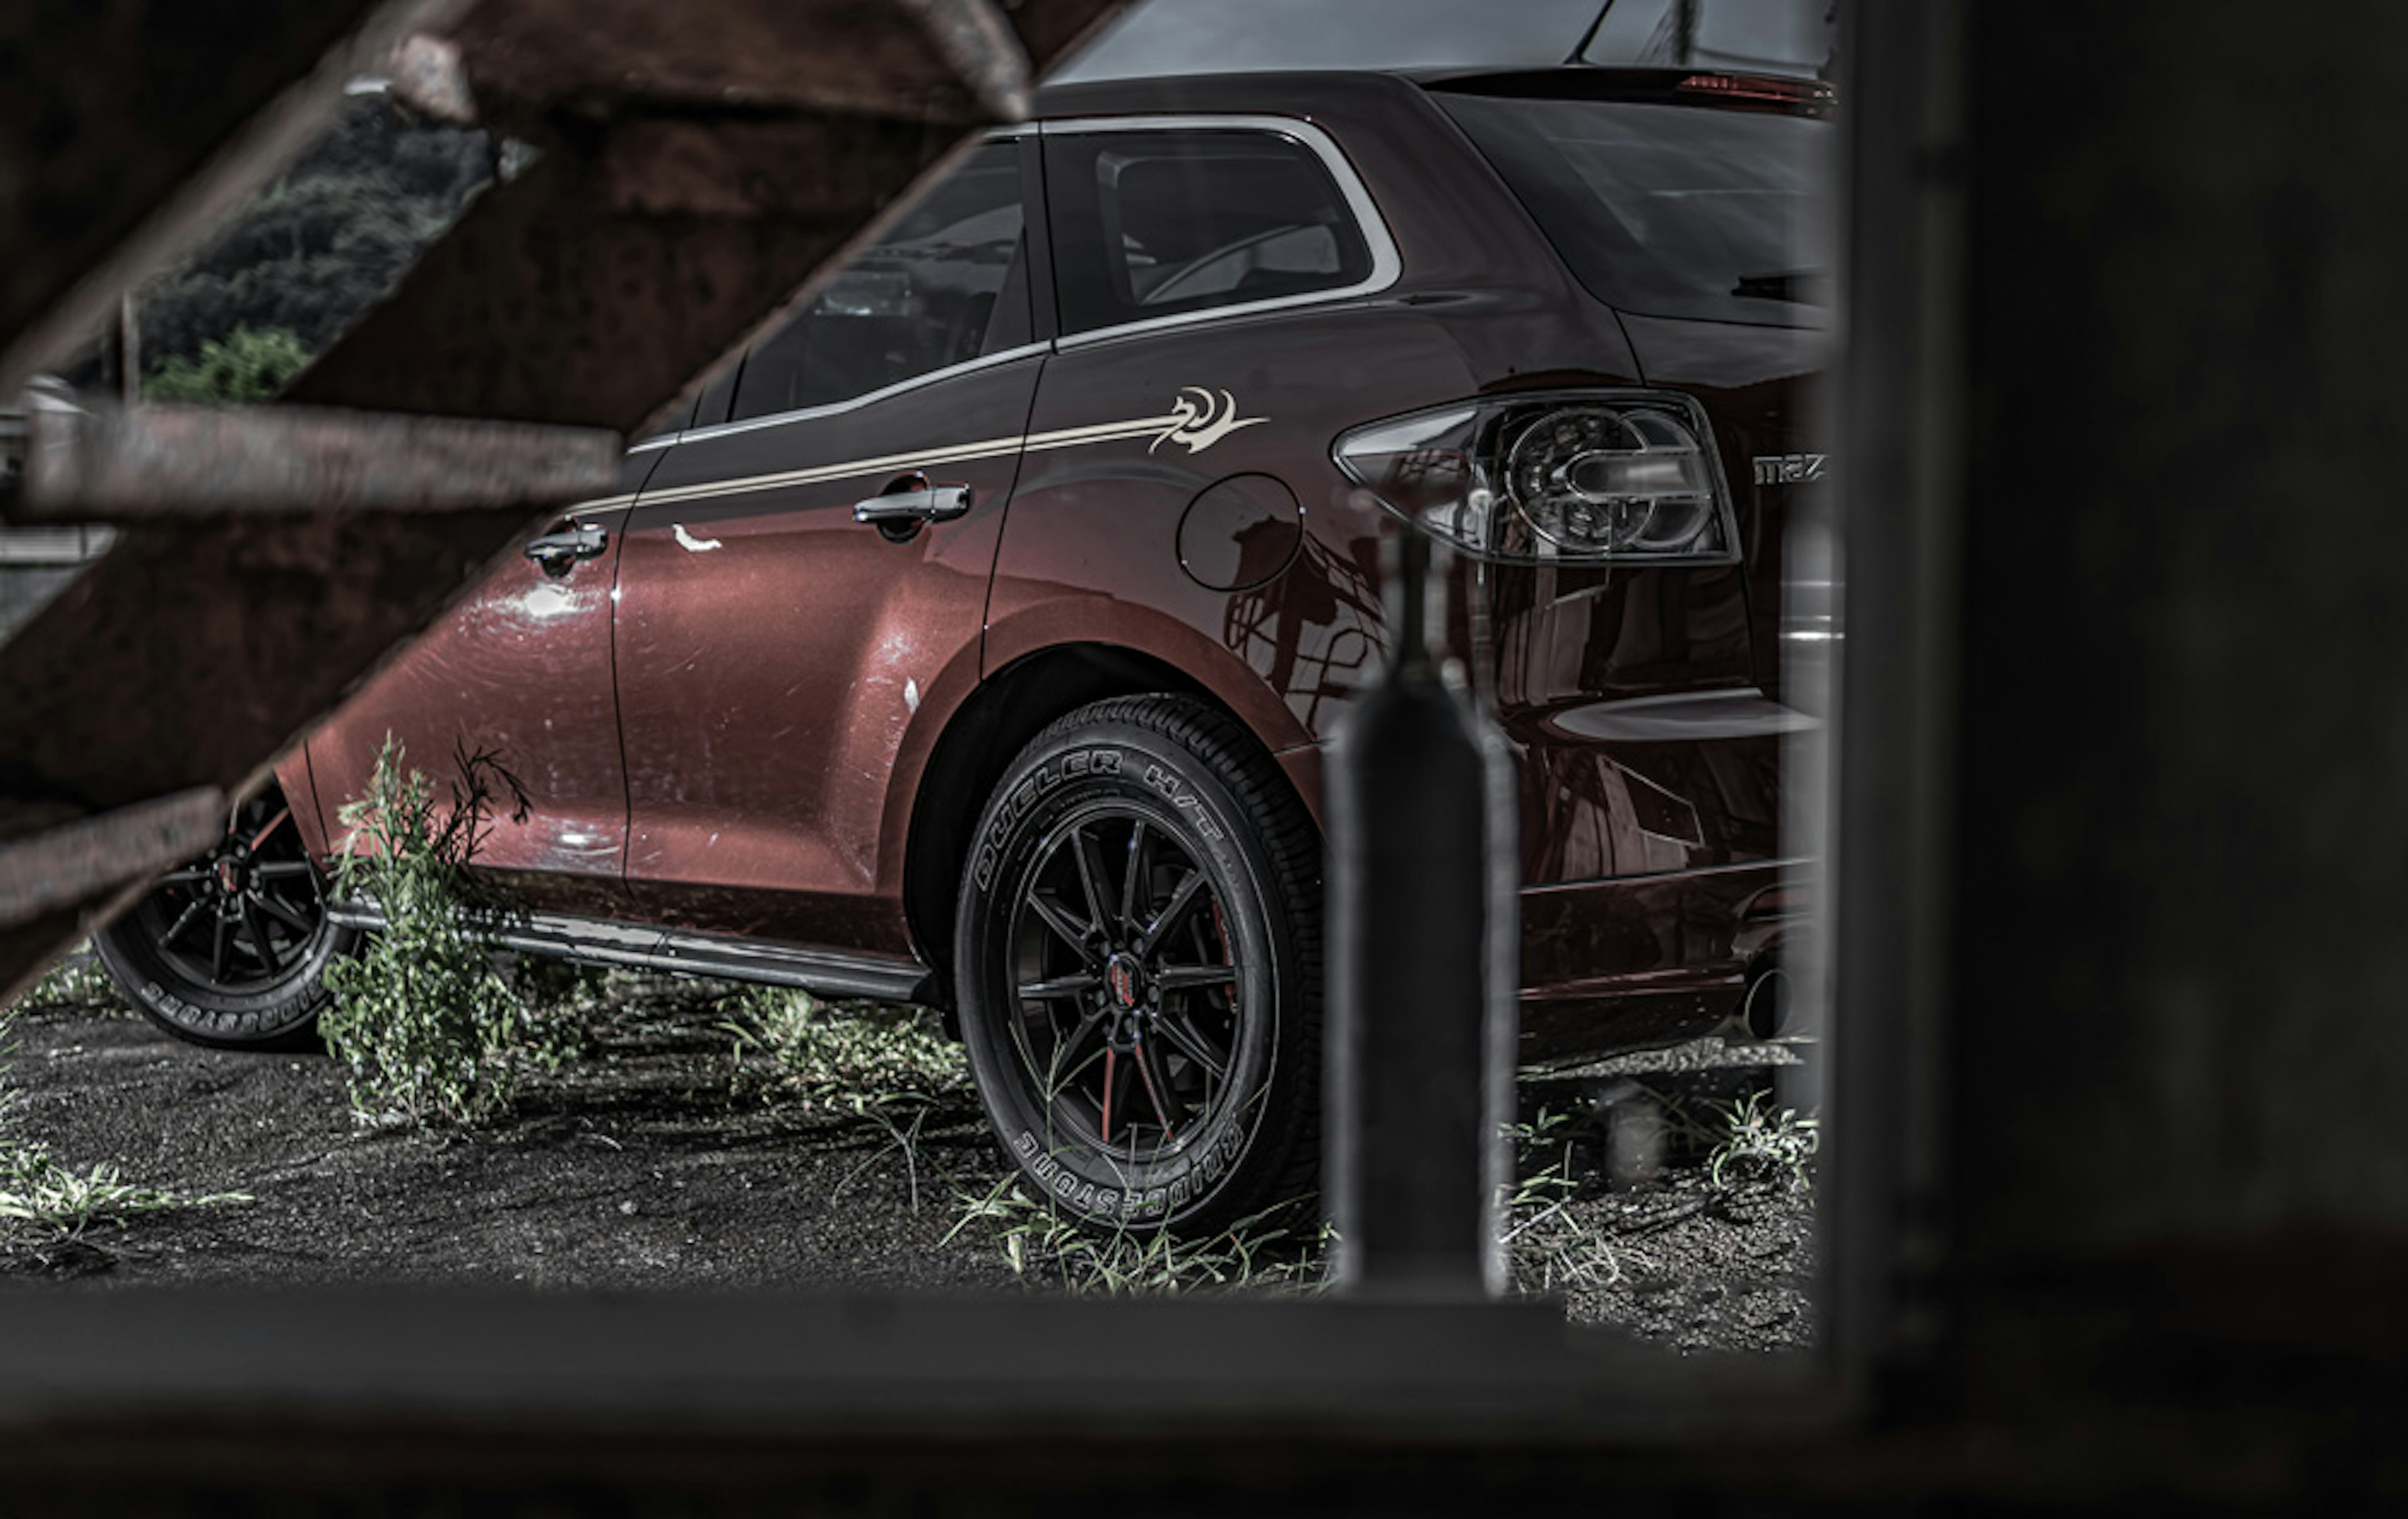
point(1765, 1008)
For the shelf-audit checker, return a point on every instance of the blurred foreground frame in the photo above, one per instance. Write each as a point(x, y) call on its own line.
point(1999, 1338)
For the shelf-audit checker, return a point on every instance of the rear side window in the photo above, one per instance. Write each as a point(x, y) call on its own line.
point(948, 283)
point(1150, 224)
point(1670, 210)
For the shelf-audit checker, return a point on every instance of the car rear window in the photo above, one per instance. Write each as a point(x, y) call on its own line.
point(1670, 210)
point(1156, 221)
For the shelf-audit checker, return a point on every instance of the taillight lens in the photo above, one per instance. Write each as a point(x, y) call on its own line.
point(1592, 476)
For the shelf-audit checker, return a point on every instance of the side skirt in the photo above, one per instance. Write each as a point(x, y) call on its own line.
point(601, 941)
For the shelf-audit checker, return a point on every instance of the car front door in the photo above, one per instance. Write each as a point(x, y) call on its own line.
point(773, 648)
point(516, 676)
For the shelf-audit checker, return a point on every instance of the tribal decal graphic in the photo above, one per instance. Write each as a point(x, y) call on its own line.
point(1200, 422)
point(1197, 418)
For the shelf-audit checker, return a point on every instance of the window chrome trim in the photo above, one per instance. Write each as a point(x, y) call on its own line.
point(1387, 265)
point(833, 409)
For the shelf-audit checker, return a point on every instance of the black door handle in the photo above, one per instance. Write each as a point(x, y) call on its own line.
point(910, 501)
point(557, 551)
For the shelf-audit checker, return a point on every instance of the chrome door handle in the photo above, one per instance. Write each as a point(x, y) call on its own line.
point(557, 551)
point(911, 501)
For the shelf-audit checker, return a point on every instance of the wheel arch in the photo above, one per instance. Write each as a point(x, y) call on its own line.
point(980, 740)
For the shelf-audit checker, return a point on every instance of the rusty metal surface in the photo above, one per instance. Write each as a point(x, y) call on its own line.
point(129, 130)
point(102, 464)
point(66, 865)
point(696, 165)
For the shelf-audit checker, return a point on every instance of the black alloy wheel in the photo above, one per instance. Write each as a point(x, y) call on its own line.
point(1138, 955)
point(231, 949)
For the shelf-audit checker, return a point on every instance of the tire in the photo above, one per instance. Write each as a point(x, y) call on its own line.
point(231, 949)
point(1147, 1052)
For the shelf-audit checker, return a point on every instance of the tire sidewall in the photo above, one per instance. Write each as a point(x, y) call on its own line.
point(281, 1015)
point(1212, 1175)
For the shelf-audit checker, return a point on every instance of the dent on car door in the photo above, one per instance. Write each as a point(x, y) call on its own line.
point(518, 673)
point(774, 653)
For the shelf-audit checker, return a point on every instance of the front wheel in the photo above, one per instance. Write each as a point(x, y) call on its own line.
point(231, 949)
point(1138, 955)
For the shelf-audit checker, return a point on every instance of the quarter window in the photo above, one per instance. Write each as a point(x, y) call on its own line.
point(1149, 223)
point(948, 283)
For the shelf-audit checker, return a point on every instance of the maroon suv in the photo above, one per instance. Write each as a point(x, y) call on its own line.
point(975, 641)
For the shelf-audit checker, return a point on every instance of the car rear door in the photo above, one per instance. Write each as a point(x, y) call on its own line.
point(773, 650)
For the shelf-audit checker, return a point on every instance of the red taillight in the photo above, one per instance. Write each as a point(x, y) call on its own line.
point(1801, 98)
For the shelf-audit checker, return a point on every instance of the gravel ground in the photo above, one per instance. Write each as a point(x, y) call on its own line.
point(646, 1165)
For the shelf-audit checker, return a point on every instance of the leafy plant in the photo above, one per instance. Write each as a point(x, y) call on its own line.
point(76, 981)
point(37, 1189)
point(1760, 1146)
point(249, 364)
point(427, 1028)
point(332, 236)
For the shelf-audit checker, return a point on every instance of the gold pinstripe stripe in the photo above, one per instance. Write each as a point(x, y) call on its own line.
point(1066, 438)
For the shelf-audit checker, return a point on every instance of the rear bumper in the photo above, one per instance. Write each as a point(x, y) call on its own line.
point(1609, 965)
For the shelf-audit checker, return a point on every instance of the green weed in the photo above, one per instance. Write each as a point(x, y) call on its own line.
point(37, 1190)
point(1044, 1246)
point(429, 1030)
point(1761, 1147)
point(860, 1058)
point(77, 983)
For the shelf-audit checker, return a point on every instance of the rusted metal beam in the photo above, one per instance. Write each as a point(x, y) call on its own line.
point(76, 861)
point(101, 463)
point(129, 131)
point(696, 164)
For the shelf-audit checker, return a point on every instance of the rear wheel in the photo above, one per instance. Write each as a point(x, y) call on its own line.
point(1137, 957)
point(231, 949)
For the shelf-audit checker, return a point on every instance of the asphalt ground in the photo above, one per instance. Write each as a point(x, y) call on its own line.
point(655, 1161)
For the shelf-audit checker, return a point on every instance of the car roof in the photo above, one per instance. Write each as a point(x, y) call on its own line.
point(1307, 93)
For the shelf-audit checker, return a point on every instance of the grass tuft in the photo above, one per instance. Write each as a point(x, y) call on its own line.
point(76, 984)
point(1280, 1250)
point(37, 1190)
point(1761, 1147)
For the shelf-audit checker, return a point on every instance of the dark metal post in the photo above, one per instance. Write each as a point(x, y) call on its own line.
point(1424, 941)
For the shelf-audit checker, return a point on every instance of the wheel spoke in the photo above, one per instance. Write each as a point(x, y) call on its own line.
point(1141, 860)
point(281, 869)
point(1180, 978)
point(1181, 898)
point(184, 920)
point(189, 875)
point(1149, 1069)
point(260, 943)
point(217, 950)
point(1073, 984)
point(284, 915)
point(1189, 1040)
point(1091, 875)
point(1072, 1050)
point(1071, 931)
point(1111, 1078)
point(273, 823)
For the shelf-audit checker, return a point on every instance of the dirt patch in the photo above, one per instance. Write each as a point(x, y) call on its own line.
point(646, 1163)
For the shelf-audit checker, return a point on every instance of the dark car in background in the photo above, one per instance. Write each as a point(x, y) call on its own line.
point(975, 641)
